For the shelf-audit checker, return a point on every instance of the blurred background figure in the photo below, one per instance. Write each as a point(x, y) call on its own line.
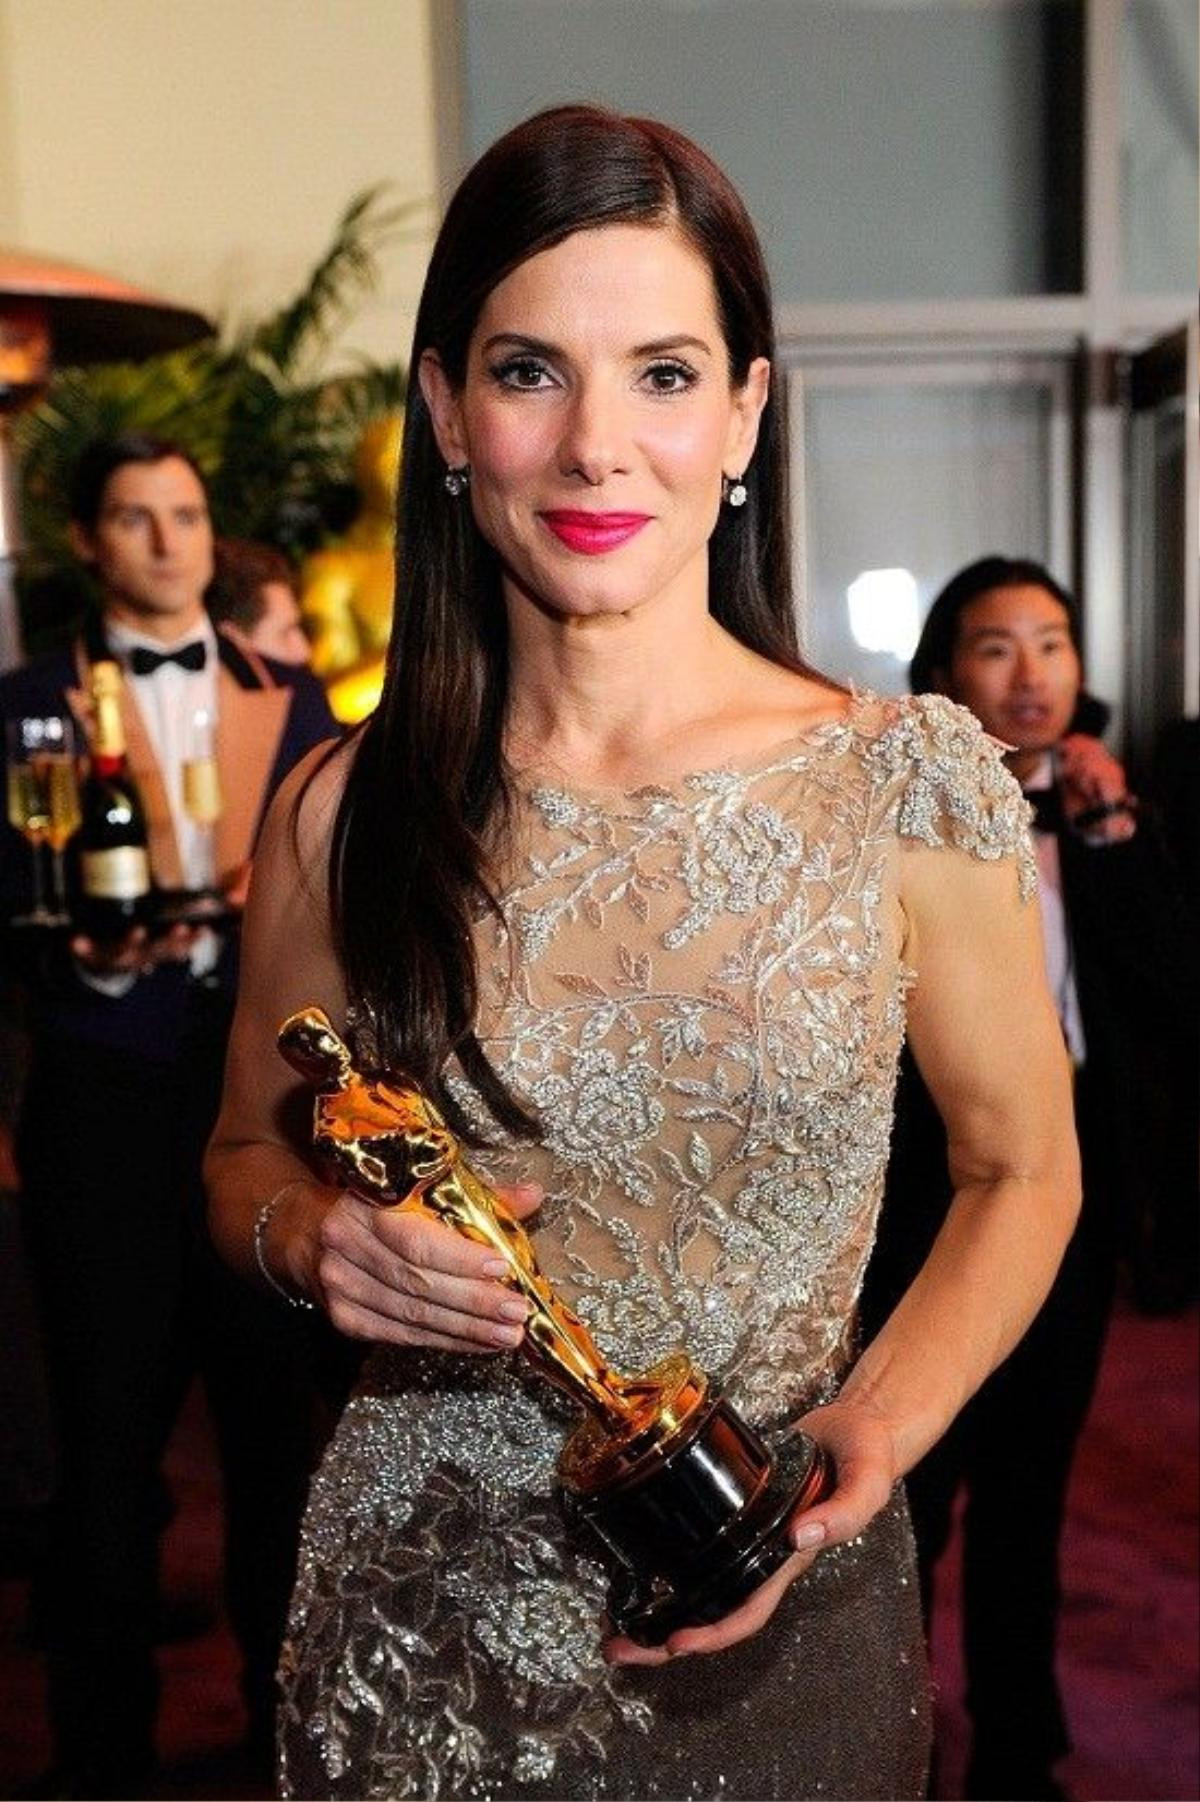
point(254, 599)
point(1002, 638)
point(128, 1033)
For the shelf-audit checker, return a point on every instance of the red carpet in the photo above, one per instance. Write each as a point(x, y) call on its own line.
point(1129, 1652)
point(1129, 1638)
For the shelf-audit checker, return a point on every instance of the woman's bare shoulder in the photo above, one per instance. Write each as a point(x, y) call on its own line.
point(775, 702)
point(307, 800)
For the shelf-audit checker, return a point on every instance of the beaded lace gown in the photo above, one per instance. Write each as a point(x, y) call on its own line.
point(701, 989)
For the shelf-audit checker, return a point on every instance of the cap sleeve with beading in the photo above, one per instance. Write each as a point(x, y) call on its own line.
point(947, 785)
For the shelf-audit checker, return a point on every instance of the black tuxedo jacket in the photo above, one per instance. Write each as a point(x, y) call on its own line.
point(269, 716)
point(1134, 960)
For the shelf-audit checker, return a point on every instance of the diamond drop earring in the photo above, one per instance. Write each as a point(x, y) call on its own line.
point(457, 480)
point(733, 491)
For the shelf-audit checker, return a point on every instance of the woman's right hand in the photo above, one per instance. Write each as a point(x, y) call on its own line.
point(396, 1276)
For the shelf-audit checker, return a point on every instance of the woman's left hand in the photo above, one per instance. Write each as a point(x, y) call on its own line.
point(859, 1441)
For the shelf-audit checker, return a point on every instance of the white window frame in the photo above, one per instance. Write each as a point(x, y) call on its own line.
point(1102, 321)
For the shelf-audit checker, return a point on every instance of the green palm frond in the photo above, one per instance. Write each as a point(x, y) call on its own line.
point(348, 268)
point(363, 394)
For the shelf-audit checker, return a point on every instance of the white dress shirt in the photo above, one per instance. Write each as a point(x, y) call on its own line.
point(170, 702)
point(1056, 932)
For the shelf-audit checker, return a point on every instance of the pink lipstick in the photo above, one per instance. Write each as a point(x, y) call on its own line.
point(594, 533)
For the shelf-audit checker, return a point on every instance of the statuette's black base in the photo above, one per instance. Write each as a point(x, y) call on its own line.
point(701, 1521)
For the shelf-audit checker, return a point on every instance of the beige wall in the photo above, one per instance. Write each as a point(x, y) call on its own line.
point(206, 147)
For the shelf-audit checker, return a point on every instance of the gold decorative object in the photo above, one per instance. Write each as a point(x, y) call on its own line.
point(661, 1467)
point(347, 587)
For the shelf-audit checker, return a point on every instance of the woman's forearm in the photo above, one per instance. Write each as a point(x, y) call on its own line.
point(246, 1180)
point(984, 1280)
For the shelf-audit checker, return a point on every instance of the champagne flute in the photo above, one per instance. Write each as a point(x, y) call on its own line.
point(202, 800)
point(28, 806)
point(59, 769)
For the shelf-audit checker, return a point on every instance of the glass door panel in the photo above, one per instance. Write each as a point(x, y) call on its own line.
point(906, 472)
point(1163, 619)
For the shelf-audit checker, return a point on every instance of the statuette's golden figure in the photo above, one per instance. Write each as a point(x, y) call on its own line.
point(385, 1139)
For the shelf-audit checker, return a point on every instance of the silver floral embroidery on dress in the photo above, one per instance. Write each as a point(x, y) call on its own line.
point(706, 1007)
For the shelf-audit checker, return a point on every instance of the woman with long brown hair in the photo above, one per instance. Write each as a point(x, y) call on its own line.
point(646, 906)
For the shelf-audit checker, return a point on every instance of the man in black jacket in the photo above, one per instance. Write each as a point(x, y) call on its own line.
point(128, 1045)
point(1002, 638)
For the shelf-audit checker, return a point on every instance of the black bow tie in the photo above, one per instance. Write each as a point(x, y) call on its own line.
point(1047, 809)
point(189, 656)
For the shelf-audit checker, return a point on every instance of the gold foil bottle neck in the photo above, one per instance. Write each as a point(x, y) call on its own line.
point(109, 727)
point(106, 678)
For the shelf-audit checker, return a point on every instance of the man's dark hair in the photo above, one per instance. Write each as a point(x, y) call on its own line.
point(101, 461)
point(241, 570)
point(935, 647)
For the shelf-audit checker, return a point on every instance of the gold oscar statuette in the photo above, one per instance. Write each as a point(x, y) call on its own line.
point(679, 1488)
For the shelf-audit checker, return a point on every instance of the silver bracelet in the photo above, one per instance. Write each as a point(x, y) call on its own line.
point(261, 1221)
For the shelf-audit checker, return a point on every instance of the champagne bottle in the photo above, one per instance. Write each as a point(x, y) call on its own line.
point(113, 859)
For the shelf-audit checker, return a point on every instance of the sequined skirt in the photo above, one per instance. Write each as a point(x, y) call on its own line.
point(444, 1638)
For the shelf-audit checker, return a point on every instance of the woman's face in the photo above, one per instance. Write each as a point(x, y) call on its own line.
point(598, 417)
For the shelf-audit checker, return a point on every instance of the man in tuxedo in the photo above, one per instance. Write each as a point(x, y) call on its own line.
point(128, 1043)
point(1002, 638)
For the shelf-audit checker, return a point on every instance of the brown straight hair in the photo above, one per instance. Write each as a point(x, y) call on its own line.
point(426, 794)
